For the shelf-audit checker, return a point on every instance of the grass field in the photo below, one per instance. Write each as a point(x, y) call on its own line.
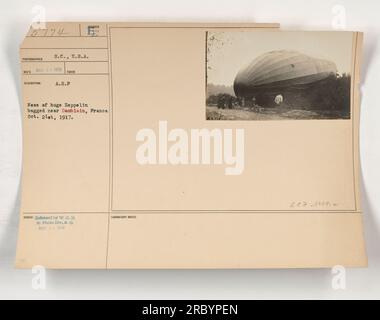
point(213, 113)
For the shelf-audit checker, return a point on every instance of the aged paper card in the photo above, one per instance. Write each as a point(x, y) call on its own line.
point(190, 146)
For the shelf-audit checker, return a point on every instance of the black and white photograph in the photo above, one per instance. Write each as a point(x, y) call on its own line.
point(264, 75)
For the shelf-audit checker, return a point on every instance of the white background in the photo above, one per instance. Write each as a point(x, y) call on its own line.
point(16, 16)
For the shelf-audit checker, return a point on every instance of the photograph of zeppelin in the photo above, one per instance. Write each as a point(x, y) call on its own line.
point(278, 75)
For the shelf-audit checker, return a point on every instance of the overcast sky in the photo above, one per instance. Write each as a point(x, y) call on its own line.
point(229, 51)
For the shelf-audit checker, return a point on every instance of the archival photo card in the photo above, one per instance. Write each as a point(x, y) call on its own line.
point(270, 75)
point(121, 169)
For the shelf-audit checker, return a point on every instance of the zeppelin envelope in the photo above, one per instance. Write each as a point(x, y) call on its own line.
point(150, 145)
